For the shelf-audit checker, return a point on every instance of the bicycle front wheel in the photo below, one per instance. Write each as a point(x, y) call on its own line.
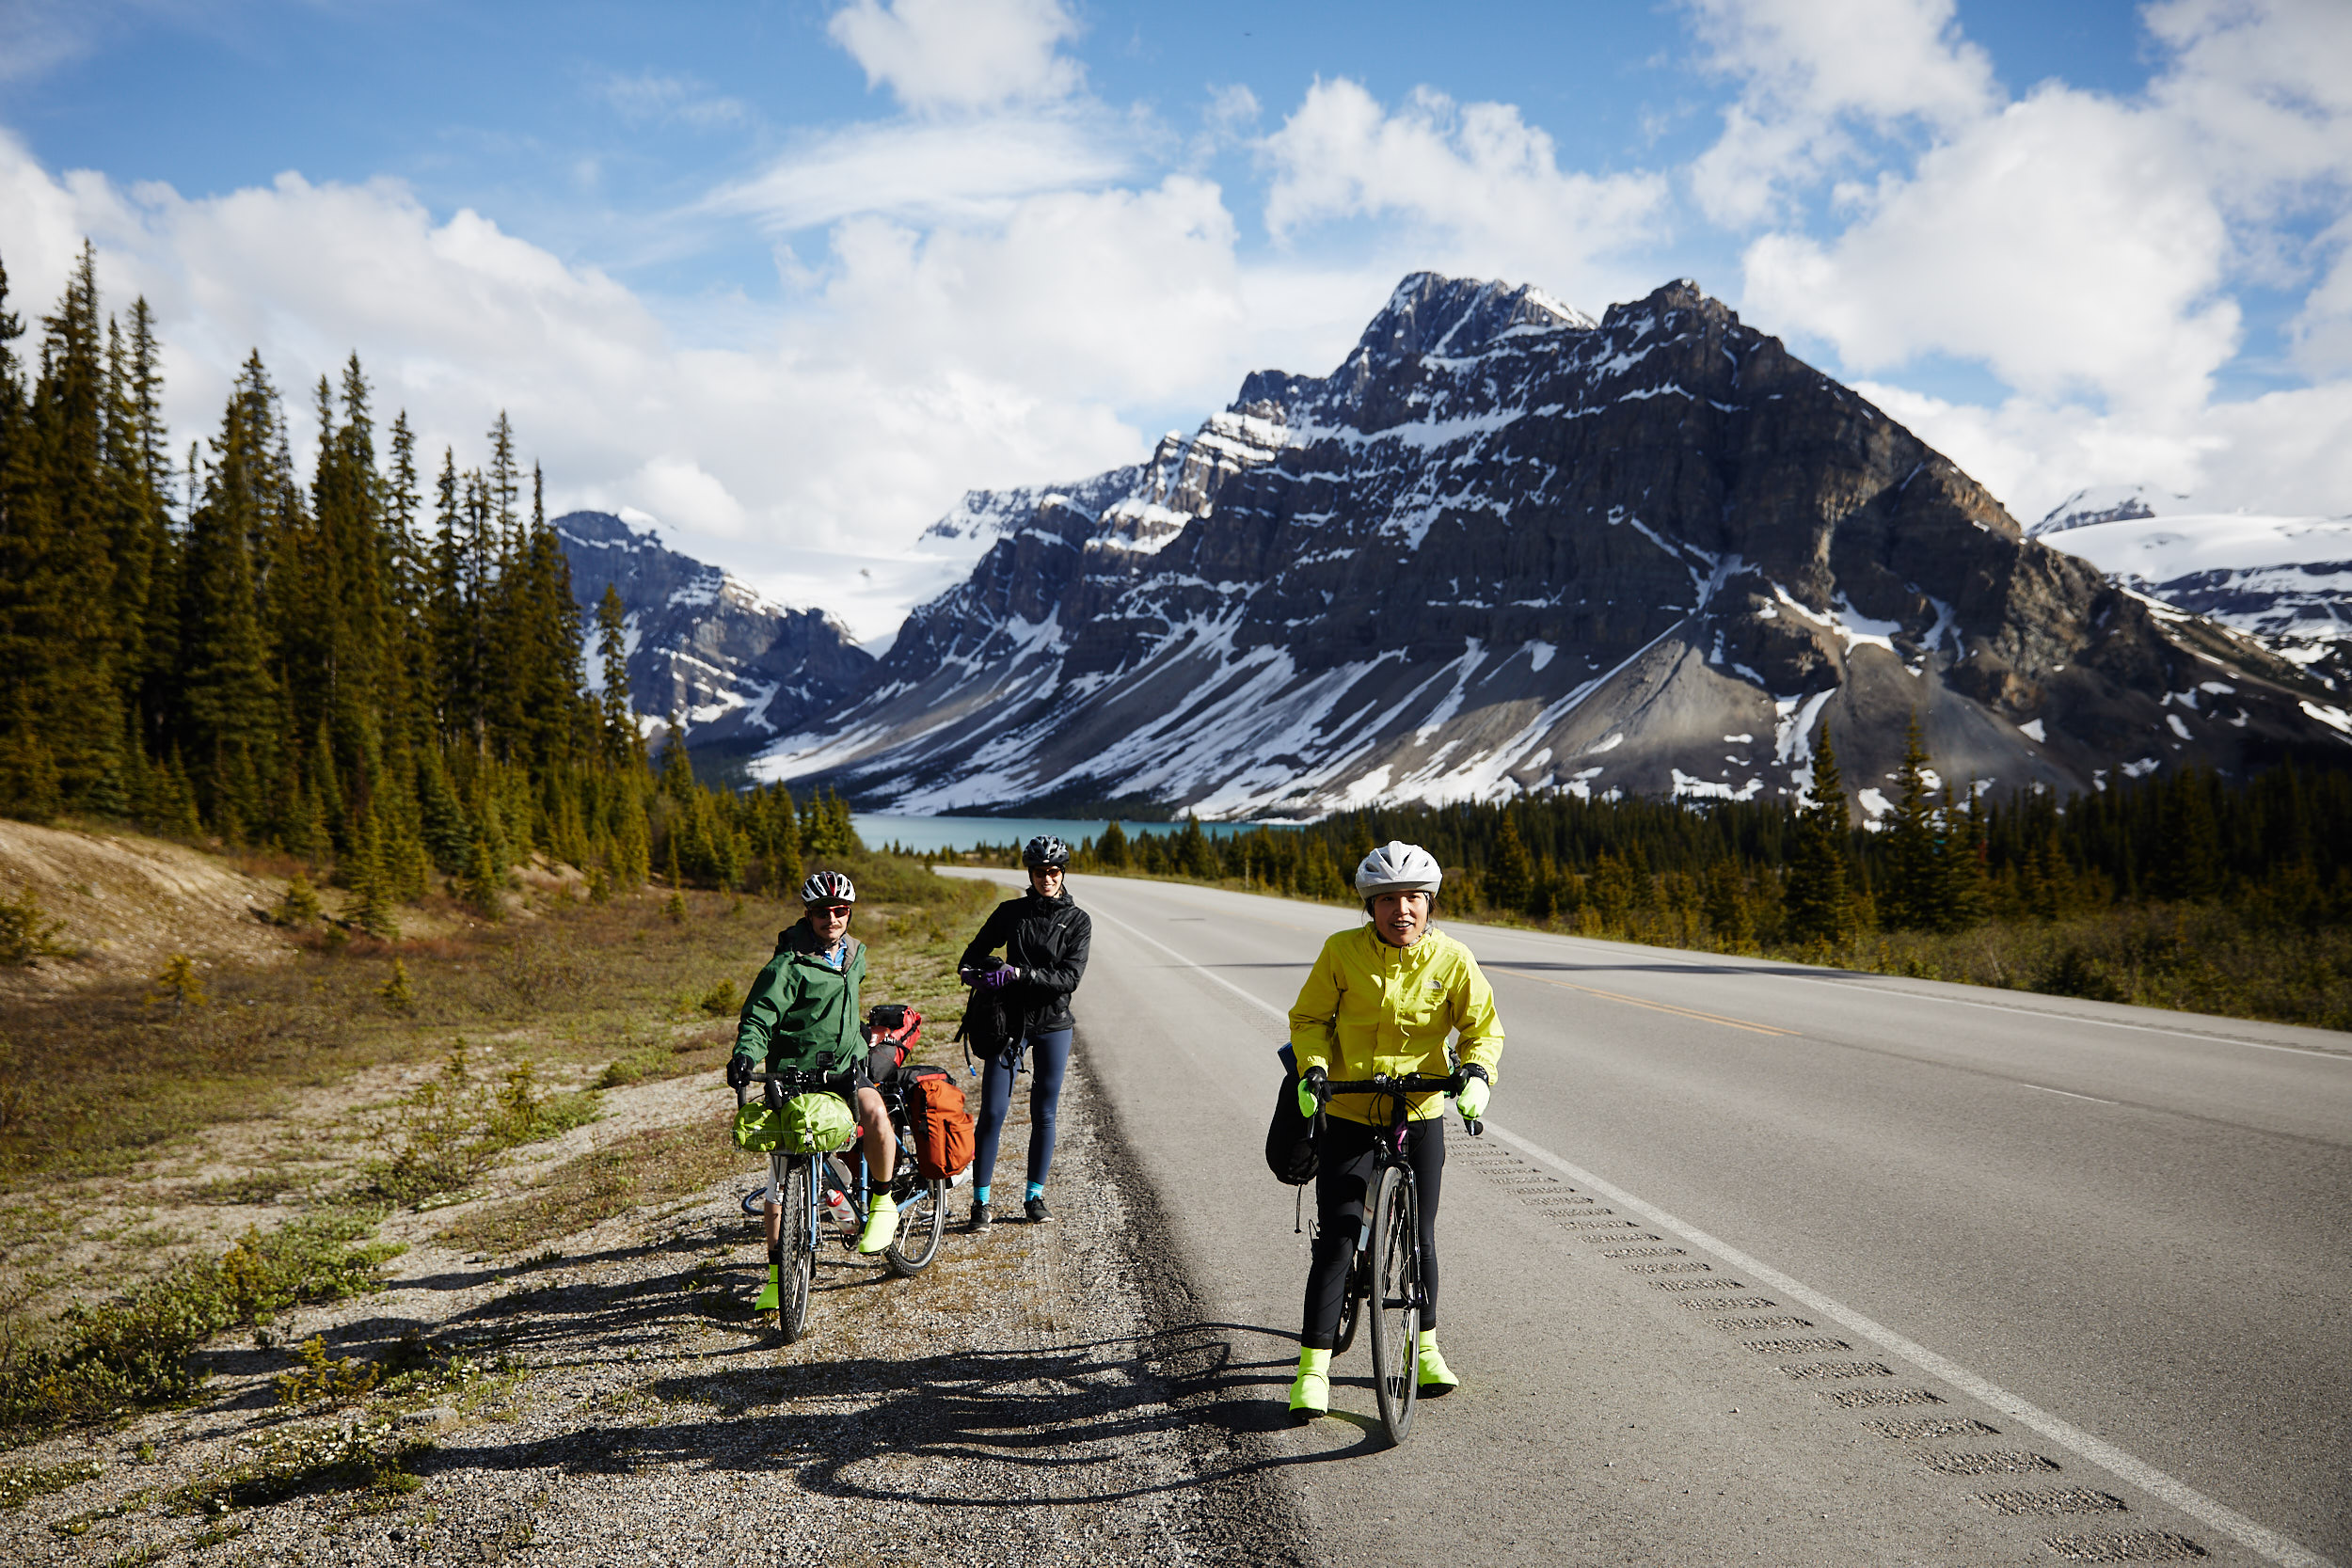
point(1396, 1299)
point(800, 1249)
point(1352, 1302)
point(922, 1218)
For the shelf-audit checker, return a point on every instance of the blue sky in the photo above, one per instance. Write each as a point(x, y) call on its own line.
point(789, 277)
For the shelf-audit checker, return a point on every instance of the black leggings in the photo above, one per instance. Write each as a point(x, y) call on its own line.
point(1340, 1196)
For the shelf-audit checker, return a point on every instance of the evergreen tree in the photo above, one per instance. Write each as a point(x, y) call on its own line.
point(1914, 886)
point(623, 743)
point(1819, 910)
point(1510, 871)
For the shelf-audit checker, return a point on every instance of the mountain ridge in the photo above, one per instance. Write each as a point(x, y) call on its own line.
point(1505, 546)
point(701, 643)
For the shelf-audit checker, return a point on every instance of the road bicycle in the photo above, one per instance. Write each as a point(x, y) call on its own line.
point(1386, 1269)
point(827, 1194)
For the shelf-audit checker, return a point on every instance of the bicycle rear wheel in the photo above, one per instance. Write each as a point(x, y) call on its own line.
point(800, 1249)
point(921, 1219)
point(1396, 1299)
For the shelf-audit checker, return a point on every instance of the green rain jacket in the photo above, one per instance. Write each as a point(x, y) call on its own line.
point(802, 1012)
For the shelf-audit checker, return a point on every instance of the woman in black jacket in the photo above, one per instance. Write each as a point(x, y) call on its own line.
point(1046, 937)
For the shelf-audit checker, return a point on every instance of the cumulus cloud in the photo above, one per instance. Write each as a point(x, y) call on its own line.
point(950, 55)
point(2059, 241)
point(2084, 247)
point(1812, 71)
point(1472, 186)
point(811, 451)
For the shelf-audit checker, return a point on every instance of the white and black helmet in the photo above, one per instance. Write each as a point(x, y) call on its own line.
point(1043, 850)
point(828, 887)
point(1396, 868)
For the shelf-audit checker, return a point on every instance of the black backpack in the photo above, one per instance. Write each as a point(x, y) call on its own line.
point(991, 1027)
point(1293, 1150)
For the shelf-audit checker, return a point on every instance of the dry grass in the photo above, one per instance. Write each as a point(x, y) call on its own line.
point(649, 1167)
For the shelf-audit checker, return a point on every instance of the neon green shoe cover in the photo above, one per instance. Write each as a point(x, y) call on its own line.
point(771, 1295)
point(1311, 1390)
point(1436, 1376)
point(882, 1223)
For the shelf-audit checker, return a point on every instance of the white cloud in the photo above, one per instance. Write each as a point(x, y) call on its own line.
point(1810, 69)
point(2061, 242)
point(2284, 453)
point(1472, 188)
point(811, 449)
point(2083, 248)
point(649, 96)
point(939, 55)
point(926, 169)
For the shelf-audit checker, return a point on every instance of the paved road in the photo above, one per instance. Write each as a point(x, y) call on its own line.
point(2121, 1240)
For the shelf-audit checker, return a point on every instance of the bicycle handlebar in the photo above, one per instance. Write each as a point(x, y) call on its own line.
point(798, 1080)
point(1411, 1082)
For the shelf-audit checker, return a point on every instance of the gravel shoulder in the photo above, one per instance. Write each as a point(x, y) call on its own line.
point(1042, 1395)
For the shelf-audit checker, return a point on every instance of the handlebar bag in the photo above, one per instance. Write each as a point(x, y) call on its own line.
point(757, 1128)
point(943, 1127)
point(1293, 1150)
point(817, 1124)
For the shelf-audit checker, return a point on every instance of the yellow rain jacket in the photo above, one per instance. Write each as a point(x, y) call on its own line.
point(1370, 1008)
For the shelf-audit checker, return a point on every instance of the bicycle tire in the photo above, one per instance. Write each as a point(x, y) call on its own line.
point(1396, 1301)
point(922, 1220)
point(800, 1250)
point(1352, 1302)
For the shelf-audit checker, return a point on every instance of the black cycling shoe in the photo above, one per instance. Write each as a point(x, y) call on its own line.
point(979, 1220)
point(1037, 1213)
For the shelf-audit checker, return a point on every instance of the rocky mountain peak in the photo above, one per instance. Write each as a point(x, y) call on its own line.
point(1429, 313)
point(1503, 548)
point(700, 642)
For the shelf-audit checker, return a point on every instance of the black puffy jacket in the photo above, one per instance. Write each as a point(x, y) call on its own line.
point(1047, 940)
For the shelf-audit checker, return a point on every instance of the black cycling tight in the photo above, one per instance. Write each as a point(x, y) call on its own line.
point(1340, 1190)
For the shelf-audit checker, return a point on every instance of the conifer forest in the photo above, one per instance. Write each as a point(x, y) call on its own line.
point(378, 670)
point(376, 667)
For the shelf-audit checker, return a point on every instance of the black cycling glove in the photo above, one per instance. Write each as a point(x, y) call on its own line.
point(739, 1071)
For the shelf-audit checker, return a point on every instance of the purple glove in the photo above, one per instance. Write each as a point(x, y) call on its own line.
point(1003, 974)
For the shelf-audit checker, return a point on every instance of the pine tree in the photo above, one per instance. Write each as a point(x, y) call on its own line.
point(1819, 910)
point(1510, 870)
point(624, 744)
point(1914, 888)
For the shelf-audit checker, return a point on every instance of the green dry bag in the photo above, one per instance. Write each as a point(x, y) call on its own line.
point(757, 1128)
point(817, 1124)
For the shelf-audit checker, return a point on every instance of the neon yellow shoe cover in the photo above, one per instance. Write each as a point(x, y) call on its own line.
point(1436, 1376)
point(882, 1223)
point(771, 1295)
point(1311, 1390)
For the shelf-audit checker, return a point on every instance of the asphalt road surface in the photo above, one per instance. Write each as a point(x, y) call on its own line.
point(1765, 1264)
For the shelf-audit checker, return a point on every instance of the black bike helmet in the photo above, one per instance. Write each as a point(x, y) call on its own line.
point(1044, 850)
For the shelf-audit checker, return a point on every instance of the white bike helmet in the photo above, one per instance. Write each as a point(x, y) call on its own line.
point(1396, 868)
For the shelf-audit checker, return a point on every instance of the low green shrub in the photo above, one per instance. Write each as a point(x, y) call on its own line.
point(134, 1353)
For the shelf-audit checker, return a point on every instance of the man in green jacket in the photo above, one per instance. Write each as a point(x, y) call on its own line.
point(802, 1013)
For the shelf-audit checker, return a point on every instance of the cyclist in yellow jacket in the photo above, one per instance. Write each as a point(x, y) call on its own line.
point(1383, 998)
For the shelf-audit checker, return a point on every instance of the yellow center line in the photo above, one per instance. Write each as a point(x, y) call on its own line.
point(1640, 1001)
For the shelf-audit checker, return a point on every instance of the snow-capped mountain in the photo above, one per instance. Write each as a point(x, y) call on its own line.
point(2287, 581)
point(702, 644)
point(1507, 548)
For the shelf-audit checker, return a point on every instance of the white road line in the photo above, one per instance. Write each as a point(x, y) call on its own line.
point(2068, 1093)
point(2155, 1483)
point(1715, 961)
point(2269, 1542)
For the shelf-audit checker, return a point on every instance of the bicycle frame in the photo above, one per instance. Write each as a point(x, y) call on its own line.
point(1391, 1220)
